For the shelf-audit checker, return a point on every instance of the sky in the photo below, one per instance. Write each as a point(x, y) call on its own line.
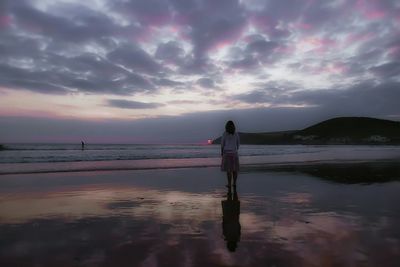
point(174, 71)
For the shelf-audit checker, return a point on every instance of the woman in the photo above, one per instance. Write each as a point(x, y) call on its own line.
point(230, 143)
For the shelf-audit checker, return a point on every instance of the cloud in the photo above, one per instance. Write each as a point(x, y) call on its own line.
point(247, 63)
point(62, 52)
point(168, 83)
point(212, 23)
point(206, 82)
point(260, 46)
point(128, 104)
point(258, 51)
point(387, 70)
point(86, 24)
point(101, 77)
point(134, 58)
point(380, 99)
point(349, 48)
point(151, 13)
point(170, 52)
point(177, 102)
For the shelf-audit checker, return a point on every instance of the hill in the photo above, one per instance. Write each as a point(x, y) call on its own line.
point(342, 130)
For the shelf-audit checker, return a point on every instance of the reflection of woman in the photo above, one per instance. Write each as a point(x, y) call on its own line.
point(230, 220)
point(230, 143)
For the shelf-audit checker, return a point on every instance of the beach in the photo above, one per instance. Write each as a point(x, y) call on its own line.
point(199, 133)
point(310, 214)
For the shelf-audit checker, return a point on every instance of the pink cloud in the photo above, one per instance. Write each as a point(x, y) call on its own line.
point(394, 52)
point(375, 14)
point(336, 68)
point(26, 112)
point(317, 44)
point(221, 44)
point(324, 42)
point(230, 37)
point(358, 37)
point(371, 10)
point(285, 49)
point(260, 21)
point(5, 21)
point(303, 26)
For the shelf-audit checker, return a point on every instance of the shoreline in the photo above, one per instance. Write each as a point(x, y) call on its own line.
point(247, 164)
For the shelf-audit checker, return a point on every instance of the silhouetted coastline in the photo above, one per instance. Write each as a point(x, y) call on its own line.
point(337, 131)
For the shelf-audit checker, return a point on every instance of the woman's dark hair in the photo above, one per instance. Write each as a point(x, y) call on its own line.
point(230, 127)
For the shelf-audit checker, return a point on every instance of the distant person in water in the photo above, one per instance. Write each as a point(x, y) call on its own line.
point(230, 143)
point(83, 145)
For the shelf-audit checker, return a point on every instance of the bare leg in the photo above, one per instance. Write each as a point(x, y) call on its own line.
point(228, 176)
point(235, 174)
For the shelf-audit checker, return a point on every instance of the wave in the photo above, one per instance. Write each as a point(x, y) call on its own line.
point(142, 164)
point(95, 147)
point(66, 153)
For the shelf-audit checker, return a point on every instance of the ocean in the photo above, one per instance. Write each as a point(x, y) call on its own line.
point(37, 158)
point(47, 153)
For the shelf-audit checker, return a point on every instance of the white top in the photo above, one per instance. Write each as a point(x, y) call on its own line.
point(230, 142)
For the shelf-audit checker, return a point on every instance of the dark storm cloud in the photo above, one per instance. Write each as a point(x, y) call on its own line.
point(328, 20)
point(381, 99)
point(14, 46)
point(168, 83)
point(84, 24)
point(197, 66)
point(24, 79)
point(101, 76)
point(257, 51)
point(211, 22)
point(128, 104)
point(149, 12)
point(378, 99)
point(318, 15)
point(273, 92)
point(247, 63)
point(134, 58)
point(256, 96)
point(43, 52)
point(170, 52)
point(260, 46)
point(387, 70)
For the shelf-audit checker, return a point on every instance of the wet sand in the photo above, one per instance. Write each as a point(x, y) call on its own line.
point(308, 215)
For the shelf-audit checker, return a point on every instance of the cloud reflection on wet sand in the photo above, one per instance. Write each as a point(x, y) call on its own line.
point(125, 224)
